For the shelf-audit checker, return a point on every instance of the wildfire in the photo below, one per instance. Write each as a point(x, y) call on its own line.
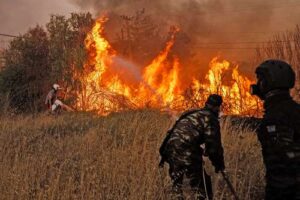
point(159, 85)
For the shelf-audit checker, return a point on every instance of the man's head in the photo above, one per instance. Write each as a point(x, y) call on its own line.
point(56, 87)
point(214, 102)
point(273, 75)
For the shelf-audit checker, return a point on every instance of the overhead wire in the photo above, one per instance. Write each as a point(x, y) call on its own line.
point(283, 5)
point(213, 43)
point(254, 8)
point(9, 35)
point(246, 42)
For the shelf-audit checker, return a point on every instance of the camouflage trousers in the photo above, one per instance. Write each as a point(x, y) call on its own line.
point(282, 186)
point(199, 181)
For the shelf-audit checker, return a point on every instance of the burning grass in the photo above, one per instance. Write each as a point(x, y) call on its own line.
point(82, 156)
point(112, 83)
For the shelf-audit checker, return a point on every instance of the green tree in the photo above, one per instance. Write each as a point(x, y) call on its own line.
point(67, 52)
point(39, 58)
point(26, 70)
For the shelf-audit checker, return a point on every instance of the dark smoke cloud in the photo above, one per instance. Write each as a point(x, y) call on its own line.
point(207, 21)
point(200, 21)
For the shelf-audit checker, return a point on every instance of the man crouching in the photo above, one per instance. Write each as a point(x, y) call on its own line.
point(182, 151)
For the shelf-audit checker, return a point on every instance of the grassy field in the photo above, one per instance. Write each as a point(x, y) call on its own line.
point(82, 156)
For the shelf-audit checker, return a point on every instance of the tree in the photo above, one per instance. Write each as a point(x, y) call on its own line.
point(67, 52)
point(284, 46)
point(26, 70)
point(39, 58)
point(139, 38)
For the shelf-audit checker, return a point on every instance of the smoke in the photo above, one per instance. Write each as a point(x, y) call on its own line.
point(204, 24)
point(132, 71)
point(211, 21)
point(230, 29)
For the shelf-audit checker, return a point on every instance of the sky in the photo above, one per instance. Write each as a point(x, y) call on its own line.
point(17, 16)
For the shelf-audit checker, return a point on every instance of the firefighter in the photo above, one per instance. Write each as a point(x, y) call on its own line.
point(183, 148)
point(279, 132)
point(52, 101)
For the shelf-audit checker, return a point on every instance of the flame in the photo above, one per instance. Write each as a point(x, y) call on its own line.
point(105, 89)
point(161, 78)
point(215, 75)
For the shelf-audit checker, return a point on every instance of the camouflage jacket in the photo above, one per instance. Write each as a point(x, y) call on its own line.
point(192, 129)
point(279, 134)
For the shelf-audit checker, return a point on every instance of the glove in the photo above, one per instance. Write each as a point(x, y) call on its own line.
point(161, 163)
point(220, 167)
point(217, 169)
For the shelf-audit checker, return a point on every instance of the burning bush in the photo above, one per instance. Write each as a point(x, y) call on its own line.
point(112, 83)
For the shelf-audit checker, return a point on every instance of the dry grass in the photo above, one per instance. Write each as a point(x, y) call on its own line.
point(81, 156)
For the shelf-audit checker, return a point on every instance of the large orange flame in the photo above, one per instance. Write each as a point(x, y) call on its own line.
point(106, 90)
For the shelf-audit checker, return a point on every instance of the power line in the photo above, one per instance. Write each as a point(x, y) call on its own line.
point(251, 8)
point(274, 2)
point(206, 43)
point(248, 32)
point(202, 43)
point(246, 42)
point(255, 9)
point(8, 35)
point(227, 48)
point(266, 43)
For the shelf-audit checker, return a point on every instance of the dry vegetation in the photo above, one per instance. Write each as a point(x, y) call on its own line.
point(284, 46)
point(82, 156)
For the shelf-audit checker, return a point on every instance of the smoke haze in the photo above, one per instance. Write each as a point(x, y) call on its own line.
point(203, 23)
point(212, 21)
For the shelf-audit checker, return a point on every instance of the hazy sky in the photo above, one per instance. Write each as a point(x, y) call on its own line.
point(16, 16)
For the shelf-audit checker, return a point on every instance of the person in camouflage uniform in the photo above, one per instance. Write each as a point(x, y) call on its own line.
point(279, 131)
point(182, 149)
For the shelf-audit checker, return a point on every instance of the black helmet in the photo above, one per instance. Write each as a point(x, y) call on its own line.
point(275, 74)
point(214, 100)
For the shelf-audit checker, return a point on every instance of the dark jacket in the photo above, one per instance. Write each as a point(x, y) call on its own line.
point(192, 129)
point(279, 135)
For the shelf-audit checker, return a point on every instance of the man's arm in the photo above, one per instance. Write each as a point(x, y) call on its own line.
point(213, 145)
point(66, 107)
point(63, 106)
point(295, 119)
point(48, 98)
